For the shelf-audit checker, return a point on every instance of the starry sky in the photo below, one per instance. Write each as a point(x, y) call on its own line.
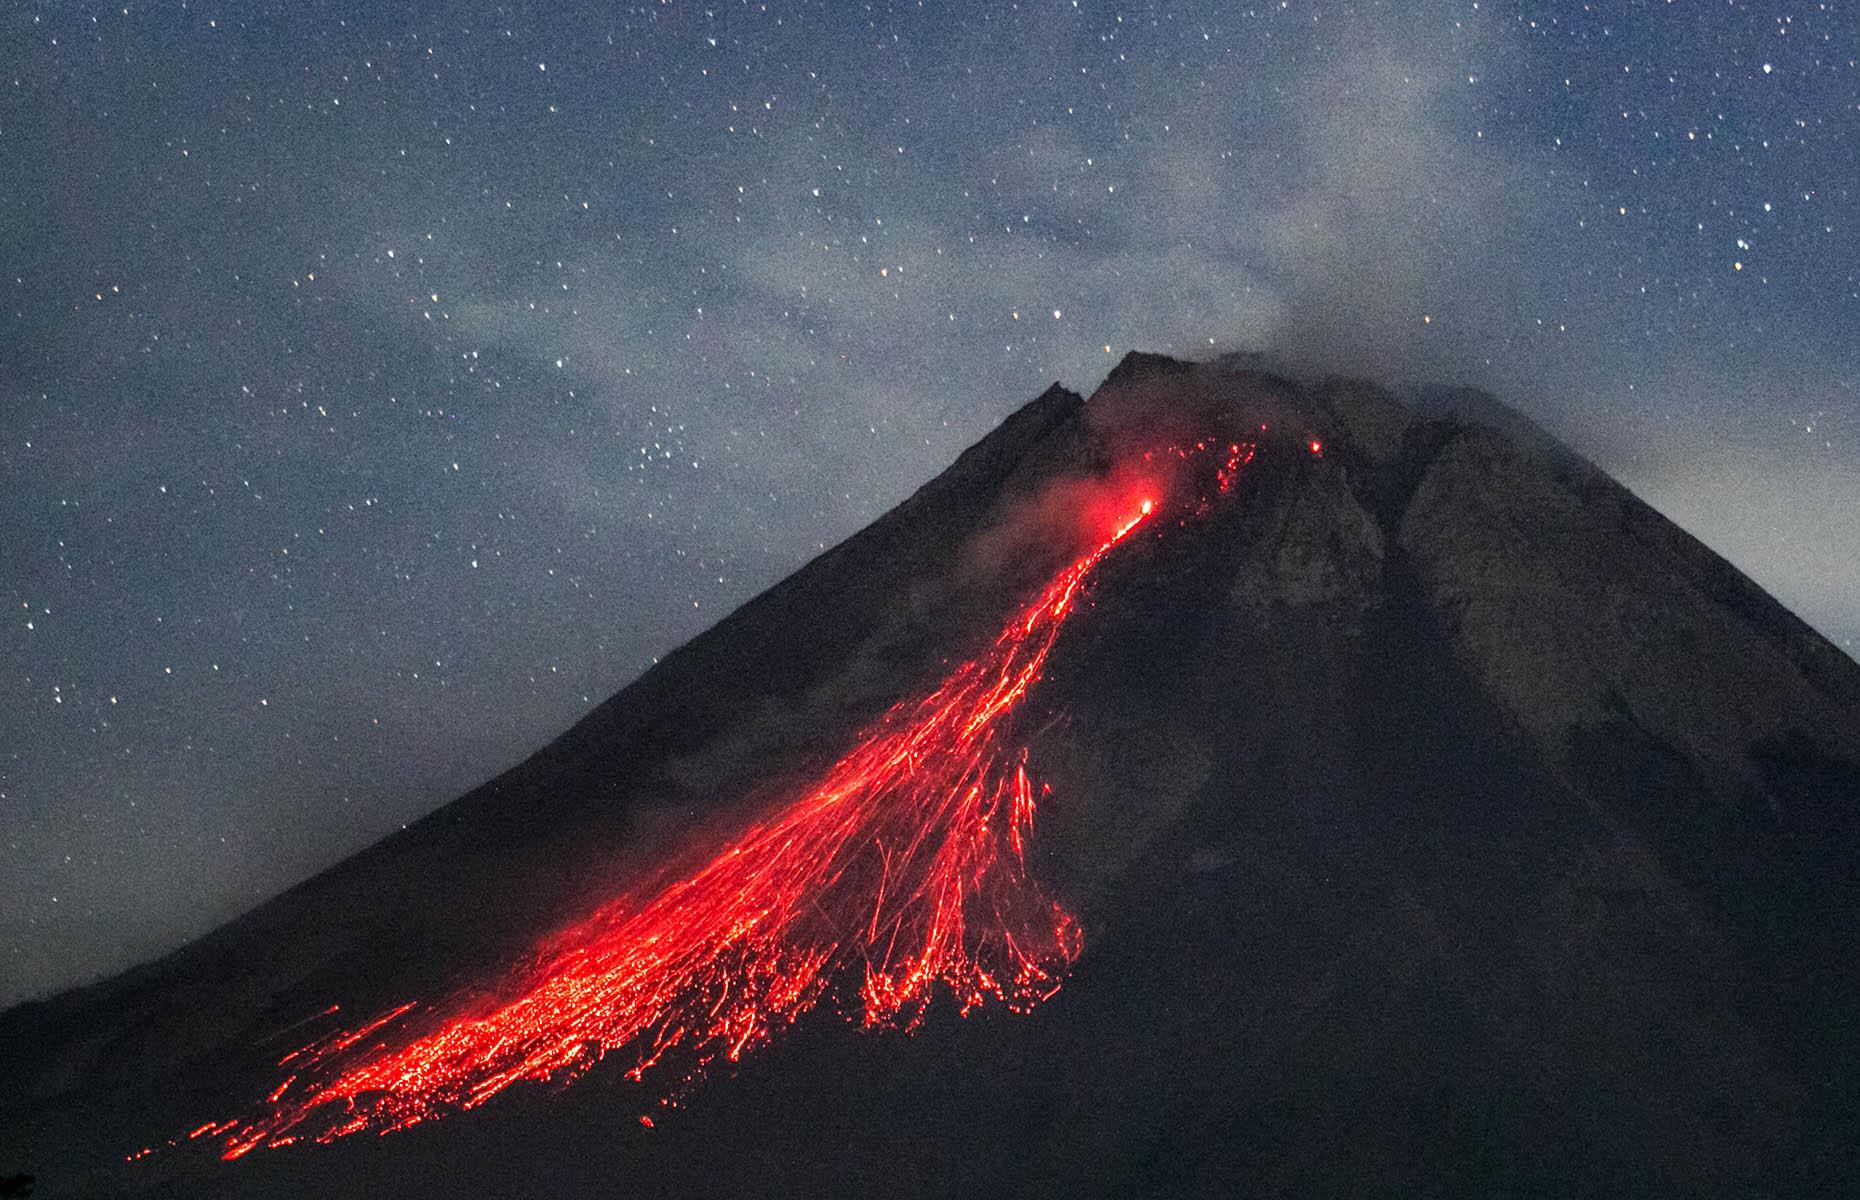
point(382, 386)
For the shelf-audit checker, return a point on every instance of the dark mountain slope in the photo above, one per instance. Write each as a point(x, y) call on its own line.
point(1440, 819)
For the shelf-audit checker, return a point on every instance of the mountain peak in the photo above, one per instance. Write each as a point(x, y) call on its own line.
point(1140, 363)
point(1426, 814)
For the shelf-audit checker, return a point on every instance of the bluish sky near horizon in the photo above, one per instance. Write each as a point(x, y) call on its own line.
point(383, 386)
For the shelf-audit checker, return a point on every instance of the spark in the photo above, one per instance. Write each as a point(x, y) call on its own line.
point(905, 867)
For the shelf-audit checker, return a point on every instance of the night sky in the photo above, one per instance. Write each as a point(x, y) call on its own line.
point(383, 386)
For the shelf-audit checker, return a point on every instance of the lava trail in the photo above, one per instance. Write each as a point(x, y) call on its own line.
point(905, 864)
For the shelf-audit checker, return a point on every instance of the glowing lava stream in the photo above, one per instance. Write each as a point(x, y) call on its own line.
point(908, 858)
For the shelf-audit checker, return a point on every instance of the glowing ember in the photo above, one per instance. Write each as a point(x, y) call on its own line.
point(906, 862)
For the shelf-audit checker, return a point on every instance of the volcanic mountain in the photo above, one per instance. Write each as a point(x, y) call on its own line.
point(1226, 784)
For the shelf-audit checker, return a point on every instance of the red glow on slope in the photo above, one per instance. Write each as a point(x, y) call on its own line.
point(1238, 455)
point(906, 862)
point(1143, 510)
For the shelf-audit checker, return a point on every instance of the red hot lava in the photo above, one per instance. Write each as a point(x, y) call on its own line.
point(906, 862)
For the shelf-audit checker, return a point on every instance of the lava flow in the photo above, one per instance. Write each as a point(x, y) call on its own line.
point(906, 862)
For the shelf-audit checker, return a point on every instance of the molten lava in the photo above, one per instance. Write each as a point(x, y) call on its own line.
point(905, 863)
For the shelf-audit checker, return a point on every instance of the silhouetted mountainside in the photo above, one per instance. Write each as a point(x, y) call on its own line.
point(1439, 818)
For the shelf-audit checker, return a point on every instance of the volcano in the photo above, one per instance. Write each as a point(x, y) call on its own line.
point(1225, 784)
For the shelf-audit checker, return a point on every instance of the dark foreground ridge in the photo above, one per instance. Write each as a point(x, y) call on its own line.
point(1439, 820)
